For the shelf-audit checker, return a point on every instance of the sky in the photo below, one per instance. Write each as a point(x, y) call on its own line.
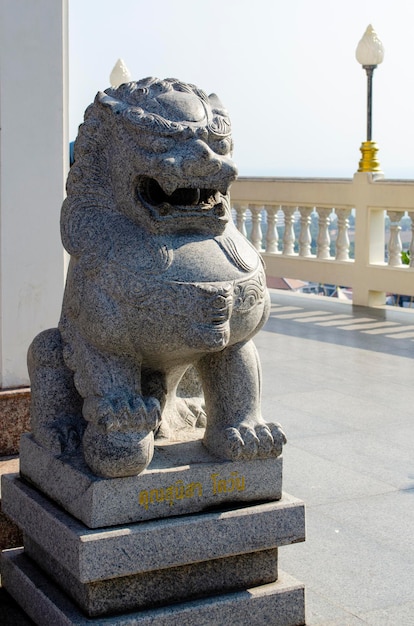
point(285, 70)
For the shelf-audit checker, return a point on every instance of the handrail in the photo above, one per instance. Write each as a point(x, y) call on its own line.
point(290, 208)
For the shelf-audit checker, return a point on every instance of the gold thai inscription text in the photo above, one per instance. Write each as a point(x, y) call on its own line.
point(181, 491)
point(227, 485)
point(177, 491)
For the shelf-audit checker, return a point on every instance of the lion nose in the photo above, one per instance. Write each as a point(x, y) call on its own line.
point(200, 160)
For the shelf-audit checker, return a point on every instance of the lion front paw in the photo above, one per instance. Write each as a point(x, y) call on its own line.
point(122, 413)
point(116, 454)
point(119, 439)
point(246, 442)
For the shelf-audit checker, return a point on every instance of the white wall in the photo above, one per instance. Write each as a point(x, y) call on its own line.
point(33, 167)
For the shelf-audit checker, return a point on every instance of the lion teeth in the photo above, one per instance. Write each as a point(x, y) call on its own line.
point(168, 187)
point(184, 199)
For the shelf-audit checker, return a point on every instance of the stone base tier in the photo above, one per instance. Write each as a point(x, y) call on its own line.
point(223, 557)
point(182, 478)
point(150, 563)
point(160, 587)
point(275, 604)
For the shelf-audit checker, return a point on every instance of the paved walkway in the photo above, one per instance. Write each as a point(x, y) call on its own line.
point(341, 381)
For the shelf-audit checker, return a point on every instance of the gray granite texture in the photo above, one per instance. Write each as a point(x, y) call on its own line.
point(160, 587)
point(14, 418)
point(93, 555)
point(168, 487)
point(159, 280)
point(278, 604)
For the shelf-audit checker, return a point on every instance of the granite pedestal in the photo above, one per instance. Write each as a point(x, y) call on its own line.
point(182, 478)
point(207, 565)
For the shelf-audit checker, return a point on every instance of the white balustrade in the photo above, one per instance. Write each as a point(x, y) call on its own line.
point(287, 205)
point(289, 234)
point(342, 238)
point(256, 235)
point(272, 236)
point(241, 218)
point(394, 243)
point(305, 239)
point(324, 240)
point(285, 218)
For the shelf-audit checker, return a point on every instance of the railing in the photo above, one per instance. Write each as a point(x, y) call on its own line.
point(281, 213)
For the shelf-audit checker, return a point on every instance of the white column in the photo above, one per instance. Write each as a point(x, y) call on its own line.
point(324, 238)
point(241, 218)
point(369, 239)
point(33, 168)
point(342, 238)
point(394, 243)
point(272, 236)
point(305, 239)
point(256, 235)
point(289, 233)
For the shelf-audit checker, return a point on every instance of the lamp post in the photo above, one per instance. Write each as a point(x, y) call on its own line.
point(369, 53)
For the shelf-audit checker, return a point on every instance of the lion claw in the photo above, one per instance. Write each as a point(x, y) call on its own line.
point(261, 441)
point(121, 414)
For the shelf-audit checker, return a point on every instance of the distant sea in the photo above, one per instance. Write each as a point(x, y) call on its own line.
point(397, 173)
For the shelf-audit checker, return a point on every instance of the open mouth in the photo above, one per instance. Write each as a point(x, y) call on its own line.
point(183, 200)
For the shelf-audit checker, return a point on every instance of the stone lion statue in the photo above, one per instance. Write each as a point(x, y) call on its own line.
point(159, 281)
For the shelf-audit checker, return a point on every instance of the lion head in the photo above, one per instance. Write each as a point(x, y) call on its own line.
point(159, 151)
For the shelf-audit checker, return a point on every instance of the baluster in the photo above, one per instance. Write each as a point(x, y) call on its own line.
point(289, 234)
point(394, 243)
point(305, 239)
point(272, 236)
point(241, 218)
point(256, 235)
point(411, 216)
point(342, 237)
point(324, 239)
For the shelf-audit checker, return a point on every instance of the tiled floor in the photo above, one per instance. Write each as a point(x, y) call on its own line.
point(341, 382)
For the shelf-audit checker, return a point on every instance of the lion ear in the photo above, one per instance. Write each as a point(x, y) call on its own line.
point(116, 106)
point(216, 104)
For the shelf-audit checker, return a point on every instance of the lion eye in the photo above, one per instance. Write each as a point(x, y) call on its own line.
point(161, 145)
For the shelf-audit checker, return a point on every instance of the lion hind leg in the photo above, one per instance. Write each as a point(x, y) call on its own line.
point(56, 406)
point(121, 418)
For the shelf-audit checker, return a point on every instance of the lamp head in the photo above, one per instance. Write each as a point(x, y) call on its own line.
point(370, 51)
point(120, 74)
